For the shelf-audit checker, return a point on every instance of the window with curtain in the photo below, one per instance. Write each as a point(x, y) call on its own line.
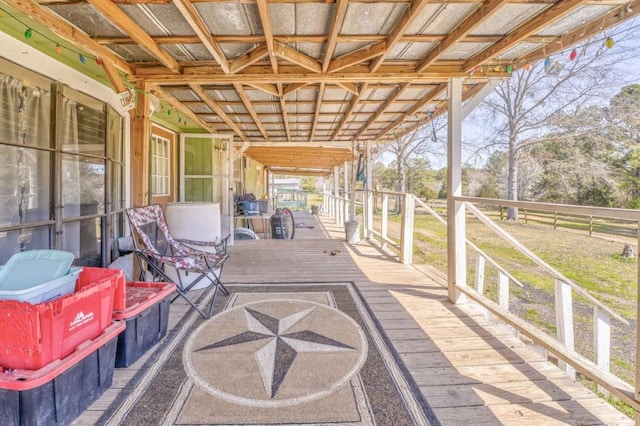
point(160, 165)
point(72, 170)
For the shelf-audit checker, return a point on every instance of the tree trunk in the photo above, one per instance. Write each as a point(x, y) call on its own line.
point(512, 180)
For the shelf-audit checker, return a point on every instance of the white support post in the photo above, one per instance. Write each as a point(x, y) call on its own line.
point(336, 192)
point(503, 290)
point(564, 321)
point(602, 341)
point(384, 222)
point(368, 212)
point(637, 394)
point(347, 177)
point(479, 283)
point(406, 235)
point(456, 235)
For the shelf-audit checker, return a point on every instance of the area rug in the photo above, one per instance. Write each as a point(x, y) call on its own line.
point(275, 354)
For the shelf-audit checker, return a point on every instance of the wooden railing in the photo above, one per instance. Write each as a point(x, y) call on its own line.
point(561, 347)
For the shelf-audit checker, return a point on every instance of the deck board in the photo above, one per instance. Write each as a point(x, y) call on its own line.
point(471, 369)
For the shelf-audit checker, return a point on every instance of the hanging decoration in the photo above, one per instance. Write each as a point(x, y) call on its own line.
point(573, 55)
point(547, 62)
point(609, 42)
point(58, 49)
point(28, 33)
point(509, 68)
point(527, 66)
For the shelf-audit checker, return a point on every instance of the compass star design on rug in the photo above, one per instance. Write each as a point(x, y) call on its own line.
point(295, 351)
point(278, 354)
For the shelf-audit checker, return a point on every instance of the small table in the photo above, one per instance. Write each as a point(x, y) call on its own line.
point(250, 219)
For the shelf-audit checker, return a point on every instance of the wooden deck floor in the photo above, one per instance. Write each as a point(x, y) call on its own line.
point(471, 370)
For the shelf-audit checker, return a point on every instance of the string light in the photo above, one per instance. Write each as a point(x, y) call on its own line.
point(509, 68)
point(82, 58)
point(28, 33)
point(609, 42)
point(547, 62)
point(527, 66)
point(58, 49)
point(573, 55)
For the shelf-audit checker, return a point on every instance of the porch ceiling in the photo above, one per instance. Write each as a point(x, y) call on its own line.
point(318, 72)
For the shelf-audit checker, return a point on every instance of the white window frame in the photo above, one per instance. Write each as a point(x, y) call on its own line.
point(159, 157)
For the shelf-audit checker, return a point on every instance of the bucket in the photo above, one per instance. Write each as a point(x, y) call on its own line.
point(315, 209)
point(352, 231)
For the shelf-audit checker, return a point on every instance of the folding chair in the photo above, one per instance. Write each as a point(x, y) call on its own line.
point(158, 249)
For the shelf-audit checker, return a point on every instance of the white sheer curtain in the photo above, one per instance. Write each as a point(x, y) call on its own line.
point(71, 176)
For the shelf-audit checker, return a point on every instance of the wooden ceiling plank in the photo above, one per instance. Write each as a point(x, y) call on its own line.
point(263, 10)
point(164, 95)
point(252, 111)
point(347, 115)
point(265, 87)
point(586, 31)
point(218, 110)
point(414, 109)
point(413, 11)
point(287, 53)
point(128, 26)
point(68, 32)
point(381, 110)
point(353, 58)
point(195, 21)
point(317, 112)
point(480, 15)
point(336, 25)
point(254, 55)
point(543, 19)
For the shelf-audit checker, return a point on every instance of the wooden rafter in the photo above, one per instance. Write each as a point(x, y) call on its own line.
point(347, 115)
point(217, 109)
point(283, 110)
point(551, 14)
point(254, 55)
point(416, 108)
point(130, 27)
point(285, 52)
point(381, 110)
point(68, 32)
point(263, 10)
point(252, 111)
point(161, 93)
point(413, 11)
point(317, 112)
point(358, 56)
point(625, 12)
point(349, 87)
point(336, 25)
point(292, 88)
point(195, 21)
point(475, 19)
point(265, 87)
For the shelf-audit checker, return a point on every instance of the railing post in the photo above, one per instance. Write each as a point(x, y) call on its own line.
point(555, 221)
point(501, 213)
point(637, 387)
point(590, 225)
point(564, 321)
point(369, 214)
point(602, 340)
point(525, 215)
point(503, 290)
point(406, 235)
point(384, 222)
point(479, 284)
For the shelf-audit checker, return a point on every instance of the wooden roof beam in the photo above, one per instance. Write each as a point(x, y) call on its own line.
point(263, 10)
point(546, 17)
point(416, 108)
point(336, 25)
point(290, 88)
point(413, 11)
point(476, 18)
point(128, 26)
point(265, 87)
point(218, 110)
point(285, 52)
point(68, 32)
point(583, 32)
point(254, 55)
point(195, 21)
point(391, 99)
point(353, 58)
point(347, 115)
point(350, 87)
point(252, 111)
point(317, 112)
point(170, 99)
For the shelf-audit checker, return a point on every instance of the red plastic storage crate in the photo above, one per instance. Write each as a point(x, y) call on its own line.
point(147, 318)
point(94, 275)
point(59, 392)
point(31, 336)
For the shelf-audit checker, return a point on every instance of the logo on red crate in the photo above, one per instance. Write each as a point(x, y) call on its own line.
point(81, 319)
